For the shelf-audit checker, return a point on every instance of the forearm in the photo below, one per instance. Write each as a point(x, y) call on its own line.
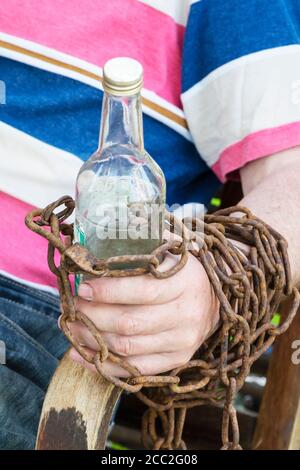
point(272, 191)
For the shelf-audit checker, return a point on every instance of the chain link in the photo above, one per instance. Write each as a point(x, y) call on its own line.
point(248, 285)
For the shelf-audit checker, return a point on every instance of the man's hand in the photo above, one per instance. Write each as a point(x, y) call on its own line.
point(159, 324)
point(155, 324)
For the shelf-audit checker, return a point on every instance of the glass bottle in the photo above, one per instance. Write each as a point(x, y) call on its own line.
point(120, 190)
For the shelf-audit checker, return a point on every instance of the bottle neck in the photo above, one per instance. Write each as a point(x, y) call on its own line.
point(121, 121)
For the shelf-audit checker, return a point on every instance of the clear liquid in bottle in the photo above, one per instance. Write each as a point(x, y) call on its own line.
point(120, 190)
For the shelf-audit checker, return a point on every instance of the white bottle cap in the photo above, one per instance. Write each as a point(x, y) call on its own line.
point(122, 76)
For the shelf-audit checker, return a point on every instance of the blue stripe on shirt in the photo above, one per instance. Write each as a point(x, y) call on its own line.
point(220, 31)
point(65, 113)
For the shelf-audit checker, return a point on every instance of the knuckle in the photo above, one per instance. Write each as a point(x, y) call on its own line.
point(127, 325)
point(123, 346)
point(184, 358)
point(151, 292)
point(106, 293)
point(191, 339)
point(187, 339)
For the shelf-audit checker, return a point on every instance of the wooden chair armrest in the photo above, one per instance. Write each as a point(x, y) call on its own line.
point(278, 424)
point(77, 409)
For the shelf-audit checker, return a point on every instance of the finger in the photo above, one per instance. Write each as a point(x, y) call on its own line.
point(109, 367)
point(152, 364)
point(130, 319)
point(152, 344)
point(134, 290)
point(138, 345)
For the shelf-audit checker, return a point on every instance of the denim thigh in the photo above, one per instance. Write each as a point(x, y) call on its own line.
point(31, 345)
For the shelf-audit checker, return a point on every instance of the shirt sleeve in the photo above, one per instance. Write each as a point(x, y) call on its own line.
point(241, 80)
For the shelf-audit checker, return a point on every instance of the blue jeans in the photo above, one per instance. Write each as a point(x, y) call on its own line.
point(33, 344)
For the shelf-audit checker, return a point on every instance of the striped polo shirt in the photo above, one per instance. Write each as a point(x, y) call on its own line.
point(222, 88)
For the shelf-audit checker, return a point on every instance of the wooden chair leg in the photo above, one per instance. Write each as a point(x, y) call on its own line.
point(77, 409)
point(278, 425)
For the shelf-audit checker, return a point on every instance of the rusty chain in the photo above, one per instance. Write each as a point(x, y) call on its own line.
point(249, 285)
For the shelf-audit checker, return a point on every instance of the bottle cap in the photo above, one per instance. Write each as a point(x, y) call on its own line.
point(122, 76)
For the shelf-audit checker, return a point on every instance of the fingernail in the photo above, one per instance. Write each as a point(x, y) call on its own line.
point(85, 291)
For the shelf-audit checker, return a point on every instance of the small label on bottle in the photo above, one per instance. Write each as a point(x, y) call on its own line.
point(79, 238)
